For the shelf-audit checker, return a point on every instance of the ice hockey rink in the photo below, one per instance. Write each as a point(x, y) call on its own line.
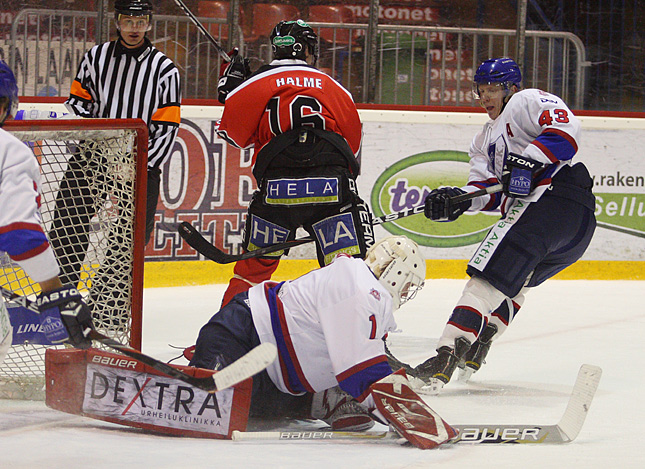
point(527, 380)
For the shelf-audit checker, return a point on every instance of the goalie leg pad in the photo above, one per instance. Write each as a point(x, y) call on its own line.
point(117, 389)
point(409, 414)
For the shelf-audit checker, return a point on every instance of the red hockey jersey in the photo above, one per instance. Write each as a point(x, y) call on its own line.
point(285, 97)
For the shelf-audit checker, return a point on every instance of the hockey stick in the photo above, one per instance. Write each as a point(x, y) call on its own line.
point(194, 238)
point(620, 229)
point(253, 362)
point(245, 367)
point(203, 30)
point(564, 431)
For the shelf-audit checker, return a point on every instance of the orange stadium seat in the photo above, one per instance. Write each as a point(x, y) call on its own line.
point(332, 14)
point(213, 9)
point(266, 16)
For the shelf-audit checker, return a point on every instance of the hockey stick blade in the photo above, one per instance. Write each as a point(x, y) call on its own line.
point(245, 367)
point(565, 431)
point(583, 392)
point(195, 239)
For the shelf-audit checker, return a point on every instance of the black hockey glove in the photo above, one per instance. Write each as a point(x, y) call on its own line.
point(65, 317)
point(232, 75)
point(518, 175)
point(440, 207)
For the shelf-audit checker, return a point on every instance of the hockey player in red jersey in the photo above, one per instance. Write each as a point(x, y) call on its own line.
point(328, 327)
point(547, 212)
point(64, 317)
point(306, 135)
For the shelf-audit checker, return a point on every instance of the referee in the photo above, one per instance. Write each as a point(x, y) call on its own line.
point(124, 78)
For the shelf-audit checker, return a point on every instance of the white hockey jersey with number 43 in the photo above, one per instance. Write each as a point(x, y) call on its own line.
point(328, 326)
point(534, 124)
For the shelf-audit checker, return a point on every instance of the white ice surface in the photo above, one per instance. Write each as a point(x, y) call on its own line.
point(527, 380)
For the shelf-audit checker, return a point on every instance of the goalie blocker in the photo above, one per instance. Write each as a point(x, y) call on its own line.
point(112, 387)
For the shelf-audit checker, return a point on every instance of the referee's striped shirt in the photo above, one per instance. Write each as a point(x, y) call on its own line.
point(116, 82)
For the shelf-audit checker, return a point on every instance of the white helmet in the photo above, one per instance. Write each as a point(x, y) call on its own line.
point(396, 262)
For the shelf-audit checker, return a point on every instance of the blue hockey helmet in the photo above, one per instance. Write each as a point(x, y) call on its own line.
point(8, 92)
point(501, 70)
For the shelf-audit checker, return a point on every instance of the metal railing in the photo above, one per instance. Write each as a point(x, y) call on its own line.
point(418, 65)
point(448, 57)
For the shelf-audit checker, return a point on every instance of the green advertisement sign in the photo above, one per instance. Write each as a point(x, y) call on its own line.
point(621, 212)
point(405, 184)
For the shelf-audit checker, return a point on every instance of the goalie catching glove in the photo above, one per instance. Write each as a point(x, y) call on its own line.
point(232, 74)
point(408, 414)
point(518, 175)
point(439, 205)
point(65, 317)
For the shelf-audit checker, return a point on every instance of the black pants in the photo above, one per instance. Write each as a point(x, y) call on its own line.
point(228, 336)
point(82, 192)
point(342, 224)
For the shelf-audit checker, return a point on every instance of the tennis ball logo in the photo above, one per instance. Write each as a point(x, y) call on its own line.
point(406, 184)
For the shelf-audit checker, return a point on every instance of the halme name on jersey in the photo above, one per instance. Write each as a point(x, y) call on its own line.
point(303, 82)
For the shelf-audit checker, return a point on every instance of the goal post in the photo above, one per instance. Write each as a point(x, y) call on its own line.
point(93, 207)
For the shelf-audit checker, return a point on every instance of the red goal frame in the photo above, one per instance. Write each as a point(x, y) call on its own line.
point(141, 129)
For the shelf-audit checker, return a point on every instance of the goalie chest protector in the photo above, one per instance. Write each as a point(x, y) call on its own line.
point(118, 389)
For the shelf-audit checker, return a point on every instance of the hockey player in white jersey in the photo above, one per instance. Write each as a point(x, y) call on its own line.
point(547, 212)
point(329, 326)
point(63, 314)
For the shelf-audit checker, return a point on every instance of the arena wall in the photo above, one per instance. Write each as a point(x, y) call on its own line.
point(405, 154)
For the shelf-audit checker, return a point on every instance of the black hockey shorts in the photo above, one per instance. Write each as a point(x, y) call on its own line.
point(534, 241)
point(229, 335)
point(325, 203)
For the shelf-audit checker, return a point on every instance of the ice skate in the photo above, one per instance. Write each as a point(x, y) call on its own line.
point(437, 371)
point(475, 357)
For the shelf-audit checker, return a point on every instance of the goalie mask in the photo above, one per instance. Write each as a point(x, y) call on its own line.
point(8, 93)
point(397, 264)
point(294, 40)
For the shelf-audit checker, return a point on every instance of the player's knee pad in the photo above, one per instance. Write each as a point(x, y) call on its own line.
point(348, 232)
point(260, 232)
point(481, 295)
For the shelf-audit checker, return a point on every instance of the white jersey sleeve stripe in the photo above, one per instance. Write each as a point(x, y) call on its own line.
point(292, 374)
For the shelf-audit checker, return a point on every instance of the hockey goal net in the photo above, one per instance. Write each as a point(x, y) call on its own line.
point(93, 197)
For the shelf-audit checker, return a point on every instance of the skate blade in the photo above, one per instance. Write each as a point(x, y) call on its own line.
point(465, 374)
point(416, 383)
point(433, 387)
